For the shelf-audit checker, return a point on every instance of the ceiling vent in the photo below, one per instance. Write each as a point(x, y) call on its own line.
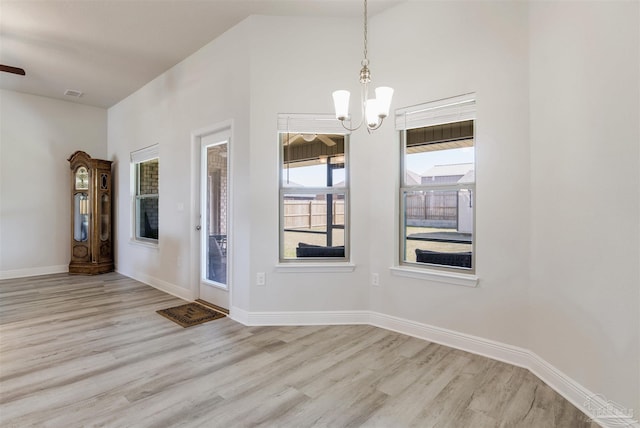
point(73, 93)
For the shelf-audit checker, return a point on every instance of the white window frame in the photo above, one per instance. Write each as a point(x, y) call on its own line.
point(217, 138)
point(450, 110)
point(313, 124)
point(138, 157)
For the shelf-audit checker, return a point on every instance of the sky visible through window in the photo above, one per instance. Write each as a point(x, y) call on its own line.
point(311, 176)
point(421, 162)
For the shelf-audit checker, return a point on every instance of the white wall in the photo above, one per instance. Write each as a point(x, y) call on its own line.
point(37, 136)
point(585, 183)
point(434, 50)
point(208, 88)
point(295, 66)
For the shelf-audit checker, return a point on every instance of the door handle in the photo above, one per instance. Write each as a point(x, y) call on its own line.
point(198, 227)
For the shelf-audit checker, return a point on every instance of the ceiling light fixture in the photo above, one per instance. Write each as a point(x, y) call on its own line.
point(373, 110)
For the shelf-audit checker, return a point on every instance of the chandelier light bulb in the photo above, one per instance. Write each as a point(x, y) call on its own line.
point(341, 103)
point(372, 111)
point(383, 95)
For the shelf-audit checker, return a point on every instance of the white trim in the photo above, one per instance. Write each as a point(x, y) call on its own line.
point(571, 390)
point(221, 136)
point(320, 123)
point(34, 271)
point(145, 243)
point(239, 315)
point(167, 287)
point(564, 385)
point(448, 110)
point(438, 112)
point(211, 140)
point(466, 342)
point(137, 157)
point(315, 267)
point(300, 317)
point(148, 153)
point(197, 135)
point(466, 280)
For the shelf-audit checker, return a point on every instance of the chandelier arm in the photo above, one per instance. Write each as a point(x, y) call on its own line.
point(369, 128)
point(352, 129)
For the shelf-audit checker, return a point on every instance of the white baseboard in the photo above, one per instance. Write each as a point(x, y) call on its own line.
point(36, 271)
point(301, 317)
point(239, 315)
point(466, 342)
point(605, 412)
point(593, 405)
point(167, 287)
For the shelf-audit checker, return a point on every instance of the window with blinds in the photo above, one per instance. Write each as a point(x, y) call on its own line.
point(145, 174)
point(437, 190)
point(314, 188)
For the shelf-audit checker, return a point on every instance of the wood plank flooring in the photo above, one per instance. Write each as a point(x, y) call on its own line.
point(78, 351)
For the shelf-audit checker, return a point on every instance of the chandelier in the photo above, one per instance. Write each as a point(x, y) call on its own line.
point(374, 110)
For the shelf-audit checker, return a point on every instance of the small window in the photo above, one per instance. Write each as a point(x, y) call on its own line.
point(314, 191)
point(145, 165)
point(438, 184)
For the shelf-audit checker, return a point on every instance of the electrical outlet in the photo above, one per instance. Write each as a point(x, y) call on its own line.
point(261, 278)
point(375, 279)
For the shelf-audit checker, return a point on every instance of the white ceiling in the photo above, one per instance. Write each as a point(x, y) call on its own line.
point(110, 48)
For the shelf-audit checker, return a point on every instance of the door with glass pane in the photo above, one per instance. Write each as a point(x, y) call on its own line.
point(214, 218)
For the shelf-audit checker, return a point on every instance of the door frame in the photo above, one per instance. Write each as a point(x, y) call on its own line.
point(194, 239)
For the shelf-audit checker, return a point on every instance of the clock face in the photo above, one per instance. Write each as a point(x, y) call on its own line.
point(82, 179)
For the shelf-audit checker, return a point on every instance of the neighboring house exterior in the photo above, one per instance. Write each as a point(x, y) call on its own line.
point(413, 178)
point(446, 173)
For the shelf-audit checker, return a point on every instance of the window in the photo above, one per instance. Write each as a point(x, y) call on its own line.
point(437, 194)
point(145, 178)
point(214, 207)
point(314, 191)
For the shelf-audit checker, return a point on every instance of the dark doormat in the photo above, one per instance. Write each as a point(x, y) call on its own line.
point(190, 314)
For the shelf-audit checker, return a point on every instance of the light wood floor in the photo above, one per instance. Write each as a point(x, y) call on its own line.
point(81, 351)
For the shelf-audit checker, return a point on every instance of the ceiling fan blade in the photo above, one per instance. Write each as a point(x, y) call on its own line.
point(293, 139)
point(328, 141)
point(14, 70)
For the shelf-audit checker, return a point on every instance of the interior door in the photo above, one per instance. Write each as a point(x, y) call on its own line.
point(214, 210)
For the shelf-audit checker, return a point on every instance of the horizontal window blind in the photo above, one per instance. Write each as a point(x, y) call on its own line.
point(448, 110)
point(311, 123)
point(145, 154)
point(448, 132)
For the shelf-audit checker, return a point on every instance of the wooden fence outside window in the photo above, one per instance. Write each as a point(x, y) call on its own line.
point(305, 214)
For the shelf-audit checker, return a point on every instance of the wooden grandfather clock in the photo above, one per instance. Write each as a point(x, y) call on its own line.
point(91, 224)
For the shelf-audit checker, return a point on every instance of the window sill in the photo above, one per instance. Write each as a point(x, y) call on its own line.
point(147, 244)
point(466, 280)
point(315, 267)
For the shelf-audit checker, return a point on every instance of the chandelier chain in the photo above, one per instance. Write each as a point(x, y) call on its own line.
point(366, 60)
